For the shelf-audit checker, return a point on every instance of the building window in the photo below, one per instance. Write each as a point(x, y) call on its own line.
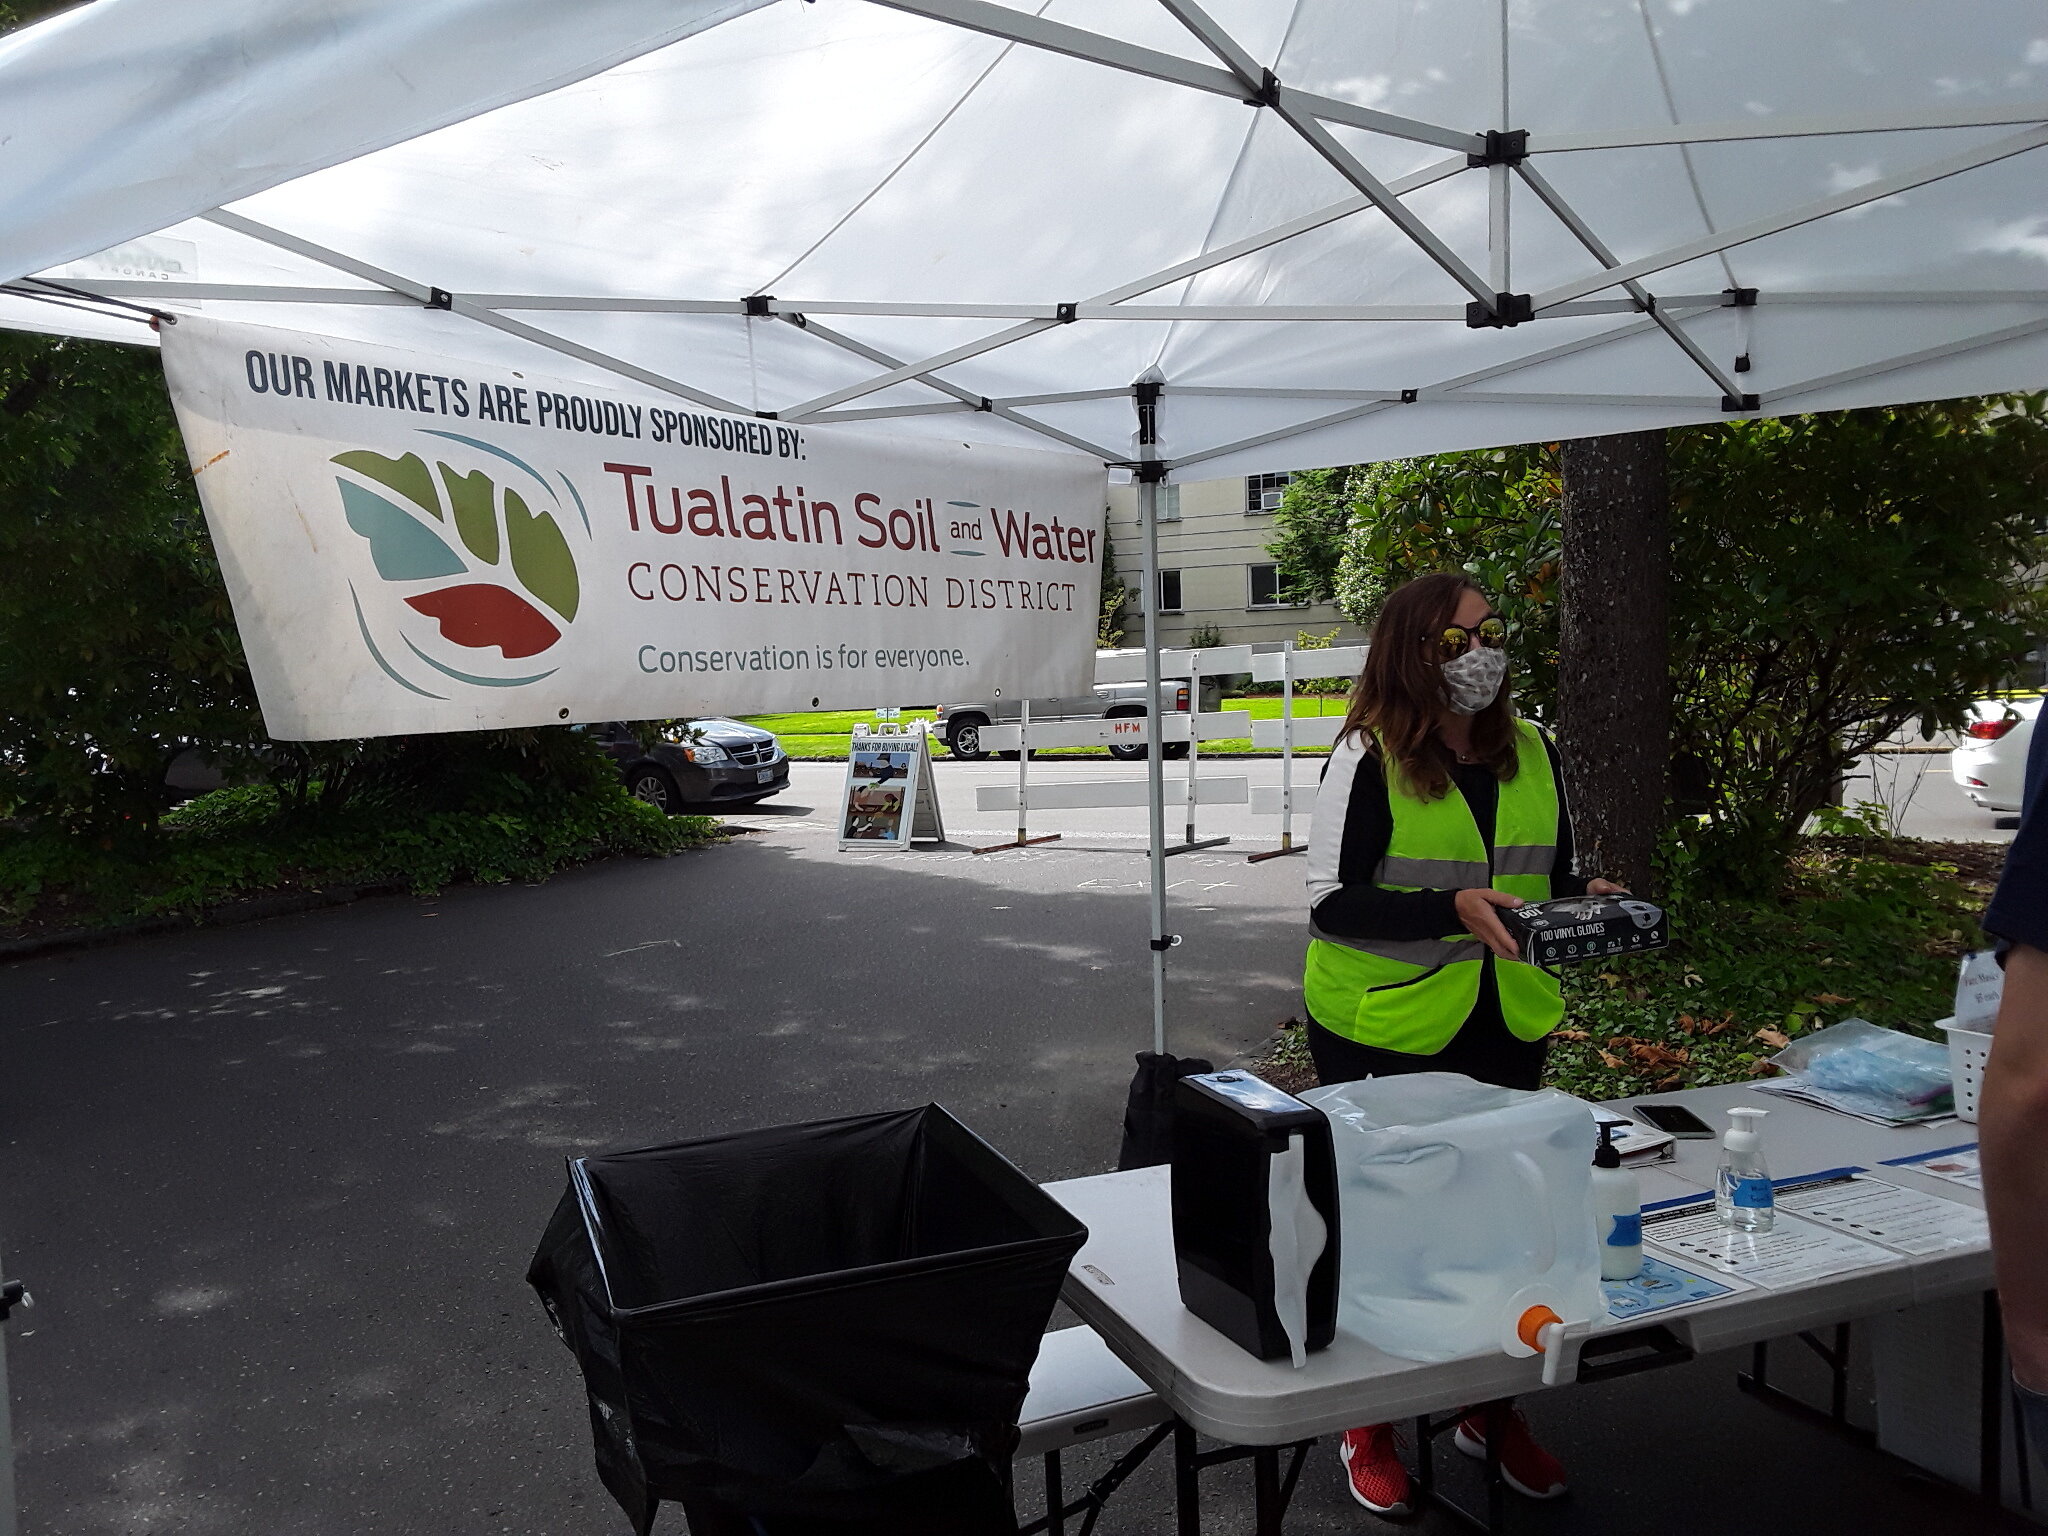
point(1169, 591)
point(1264, 582)
point(1262, 492)
point(1168, 504)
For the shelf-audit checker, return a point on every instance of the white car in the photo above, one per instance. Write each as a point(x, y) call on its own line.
point(1991, 765)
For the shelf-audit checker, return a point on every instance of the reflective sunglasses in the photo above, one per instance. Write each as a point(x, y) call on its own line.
point(1456, 640)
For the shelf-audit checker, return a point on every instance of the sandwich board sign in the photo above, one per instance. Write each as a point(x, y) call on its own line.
point(890, 798)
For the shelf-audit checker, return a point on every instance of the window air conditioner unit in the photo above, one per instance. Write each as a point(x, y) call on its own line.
point(1269, 501)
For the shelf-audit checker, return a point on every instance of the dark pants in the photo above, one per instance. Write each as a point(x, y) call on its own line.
point(1483, 1050)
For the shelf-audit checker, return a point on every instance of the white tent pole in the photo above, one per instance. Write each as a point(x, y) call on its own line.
point(431, 297)
point(1805, 213)
point(1145, 394)
point(1023, 767)
point(1194, 736)
point(1075, 43)
point(1287, 744)
point(1909, 360)
point(1583, 232)
point(1775, 127)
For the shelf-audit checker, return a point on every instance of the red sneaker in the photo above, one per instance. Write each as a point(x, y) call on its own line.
point(1529, 1469)
point(1373, 1466)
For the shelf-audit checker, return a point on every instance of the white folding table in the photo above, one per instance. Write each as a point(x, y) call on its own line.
point(1123, 1283)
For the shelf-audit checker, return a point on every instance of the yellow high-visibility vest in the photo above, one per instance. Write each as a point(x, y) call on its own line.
point(1413, 994)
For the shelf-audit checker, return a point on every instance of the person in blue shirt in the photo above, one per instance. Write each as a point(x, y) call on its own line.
point(2012, 1107)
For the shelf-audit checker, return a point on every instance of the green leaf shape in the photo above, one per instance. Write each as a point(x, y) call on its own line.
point(476, 514)
point(540, 557)
point(408, 476)
point(403, 548)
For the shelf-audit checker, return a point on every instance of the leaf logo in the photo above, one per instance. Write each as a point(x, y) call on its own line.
point(503, 576)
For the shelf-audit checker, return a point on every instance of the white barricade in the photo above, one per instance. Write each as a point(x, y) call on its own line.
point(1102, 794)
point(1309, 731)
point(1123, 731)
point(1213, 661)
point(1266, 798)
point(1336, 661)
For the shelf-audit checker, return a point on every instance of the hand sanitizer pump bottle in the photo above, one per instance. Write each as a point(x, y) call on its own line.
point(1742, 1194)
point(1618, 1208)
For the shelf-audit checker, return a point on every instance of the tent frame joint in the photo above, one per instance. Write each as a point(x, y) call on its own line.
point(1267, 92)
point(1739, 298)
point(1163, 943)
point(1067, 314)
point(1740, 402)
point(1506, 309)
point(1742, 363)
point(440, 298)
point(1410, 396)
point(759, 306)
point(1504, 146)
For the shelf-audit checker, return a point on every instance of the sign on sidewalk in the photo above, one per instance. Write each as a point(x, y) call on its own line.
point(890, 798)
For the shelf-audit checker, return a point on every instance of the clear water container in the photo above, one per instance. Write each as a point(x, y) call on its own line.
point(1458, 1203)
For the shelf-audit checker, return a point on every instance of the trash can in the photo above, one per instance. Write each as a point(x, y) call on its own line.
point(811, 1327)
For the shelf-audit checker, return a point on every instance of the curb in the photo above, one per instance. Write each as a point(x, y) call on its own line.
point(253, 909)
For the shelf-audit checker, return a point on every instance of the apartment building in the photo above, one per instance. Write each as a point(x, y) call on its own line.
point(1214, 568)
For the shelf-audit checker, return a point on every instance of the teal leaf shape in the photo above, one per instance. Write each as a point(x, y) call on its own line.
point(407, 476)
point(403, 548)
point(540, 556)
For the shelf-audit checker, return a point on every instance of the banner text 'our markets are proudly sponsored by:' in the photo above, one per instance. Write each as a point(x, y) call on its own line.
point(415, 544)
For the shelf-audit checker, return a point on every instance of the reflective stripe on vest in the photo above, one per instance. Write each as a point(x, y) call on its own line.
point(1412, 995)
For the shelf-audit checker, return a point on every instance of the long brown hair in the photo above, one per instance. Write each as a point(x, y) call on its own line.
point(1399, 695)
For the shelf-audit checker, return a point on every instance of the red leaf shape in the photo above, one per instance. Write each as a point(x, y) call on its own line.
point(481, 614)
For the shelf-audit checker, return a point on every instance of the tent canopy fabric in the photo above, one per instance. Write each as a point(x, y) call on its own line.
point(1335, 230)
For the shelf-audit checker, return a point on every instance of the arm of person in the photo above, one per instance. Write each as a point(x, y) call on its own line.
point(1345, 852)
point(2012, 1132)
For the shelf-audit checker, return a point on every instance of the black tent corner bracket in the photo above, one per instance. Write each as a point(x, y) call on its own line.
point(1740, 403)
point(440, 298)
point(1504, 146)
point(1506, 309)
point(757, 305)
point(1738, 298)
point(1164, 942)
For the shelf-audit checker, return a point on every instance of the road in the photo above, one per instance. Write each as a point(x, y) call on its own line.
point(275, 1186)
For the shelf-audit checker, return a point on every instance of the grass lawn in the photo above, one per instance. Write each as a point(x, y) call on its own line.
point(824, 733)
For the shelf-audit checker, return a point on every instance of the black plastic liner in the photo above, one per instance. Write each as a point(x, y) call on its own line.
point(815, 1327)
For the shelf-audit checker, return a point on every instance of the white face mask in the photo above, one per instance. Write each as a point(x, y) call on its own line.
point(1473, 681)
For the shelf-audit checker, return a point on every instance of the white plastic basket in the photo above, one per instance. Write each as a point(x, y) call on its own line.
point(1968, 1050)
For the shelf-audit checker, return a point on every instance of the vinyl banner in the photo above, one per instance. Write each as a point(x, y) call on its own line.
point(418, 544)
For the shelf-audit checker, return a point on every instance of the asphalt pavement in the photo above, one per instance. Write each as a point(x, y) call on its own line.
point(275, 1186)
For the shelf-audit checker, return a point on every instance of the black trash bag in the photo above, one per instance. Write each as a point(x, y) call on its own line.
point(813, 1327)
point(1148, 1111)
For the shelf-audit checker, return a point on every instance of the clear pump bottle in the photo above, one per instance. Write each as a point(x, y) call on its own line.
point(1743, 1197)
point(1618, 1208)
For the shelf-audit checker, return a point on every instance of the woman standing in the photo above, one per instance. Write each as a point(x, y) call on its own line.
point(1439, 806)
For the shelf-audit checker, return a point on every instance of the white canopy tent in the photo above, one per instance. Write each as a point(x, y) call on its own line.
point(1283, 233)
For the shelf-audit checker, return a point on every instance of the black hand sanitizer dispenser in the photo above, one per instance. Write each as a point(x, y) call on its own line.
point(1255, 1214)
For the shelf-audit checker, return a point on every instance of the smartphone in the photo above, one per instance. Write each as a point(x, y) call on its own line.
point(1675, 1119)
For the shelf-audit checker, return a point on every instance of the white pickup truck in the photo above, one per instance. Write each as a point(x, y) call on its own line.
point(960, 724)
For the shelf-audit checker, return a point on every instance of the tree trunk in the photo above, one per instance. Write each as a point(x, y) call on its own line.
point(1614, 685)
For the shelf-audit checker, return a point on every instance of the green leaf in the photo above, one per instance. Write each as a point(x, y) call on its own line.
point(473, 498)
point(407, 476)
point(402, 546)
point(540, 556)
